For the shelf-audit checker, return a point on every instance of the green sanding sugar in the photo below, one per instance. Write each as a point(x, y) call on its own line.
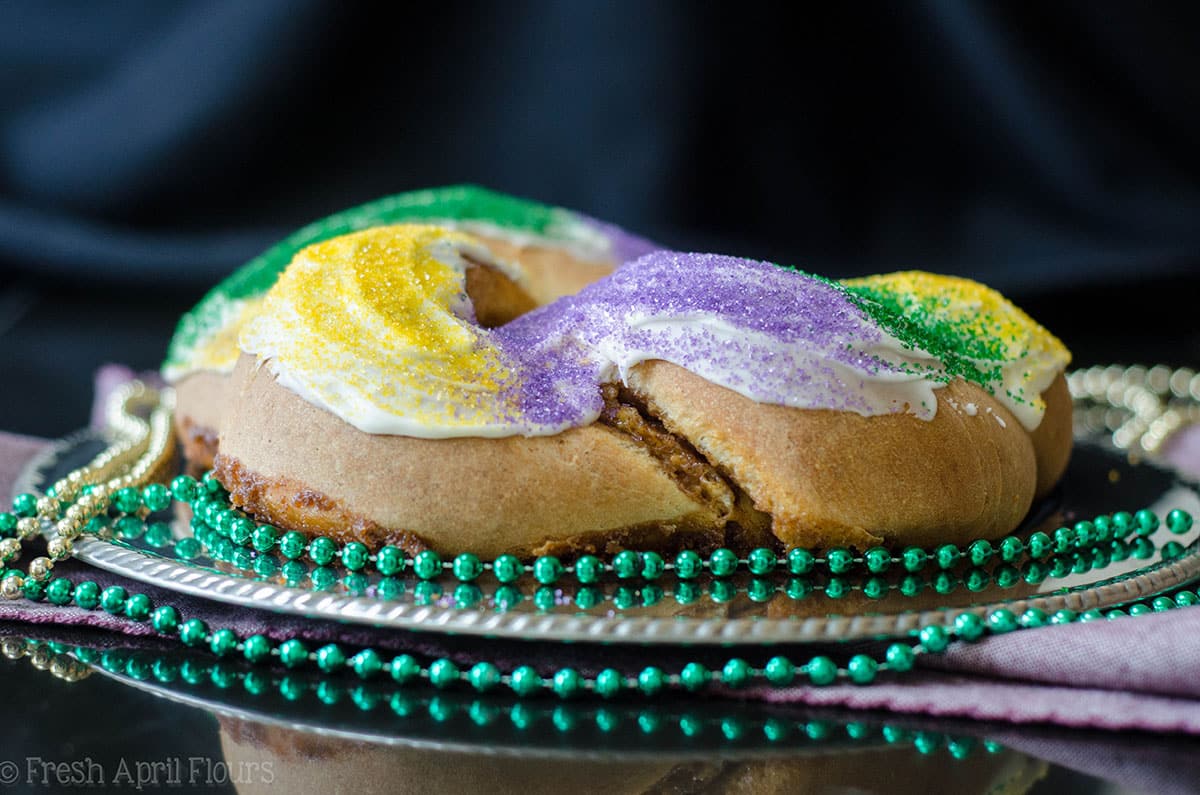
point(466, 202)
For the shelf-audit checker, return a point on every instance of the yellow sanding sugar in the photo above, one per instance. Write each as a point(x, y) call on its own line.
point(380, 318)
point(979, 334)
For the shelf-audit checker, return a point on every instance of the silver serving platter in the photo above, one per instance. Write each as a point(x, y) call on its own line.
point(743, 611)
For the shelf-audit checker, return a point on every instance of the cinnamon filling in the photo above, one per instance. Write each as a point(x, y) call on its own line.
point(634, 416)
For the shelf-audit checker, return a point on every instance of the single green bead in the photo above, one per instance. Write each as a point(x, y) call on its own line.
point(1040, 545)
point(1060, 566)
point(366, 664)
point(694, 676)
point(1002, 620)
point(862, 669)
point(653, 565)
point(483, 676)
point(798, 588)
point(1063, 617)
point(129, 527)
point(1172, 550)
point(25, 505)
point(257, 648)
point(652, 680)
point(87, 595)
point(760, 590)
point(946, 556)
point(927, 742)
point(900, 657)
point(127, 500)
point(567, 683)
point(1160, 603)
point(263, 538)
point(222, 642)
point(293, 652)
point(467, 595)
point(1091, 615)
point(404, 668)
point(156, 497)
point(968, 626)
point(184, 488)
point(8, 524)
point(33, 590)
point(1034, 572)
point(139, 607)
point(911, 585)
point(1179, 522)
point(976, 580)
point(1085, 534)
point(193, 632)
point(507, 568)
point(466, 567)
point(878, 560)
point(960, 747)
point(626, 564)
point(331, 658)
point(1140, 609)
point(211, 484)
point(443, 673)
point(608, 683)
point(1034, 617)
point(1142, 548)
point(736, 672)
point(1116, 613)
point(944, 582)
point(587, 597)
point(60, 590)
point(606, 720)
point(112, 599)
point(1146, 521)
point(1123, 524)
point(291, 546)
point(389, 561)
point(545, 599)
point(1011, 549)
point(323, 578)
point(427, 564)
point(839, 560)
point(722, 563)
point(935, 639)
point(780, 671)
point(1104, 529)
point(525, 681)
point(875, 587)
point(980, 552)
point(800, 561)
point(158, 535)
point(649, 722)
point(322, 550)
point(688, 565)
point(761, 561)
point(837, 588)
point(821, 671)
point(1183, 599)
point(427, 592)
point(188, 548)
point(547, 569)
point(1064, 539)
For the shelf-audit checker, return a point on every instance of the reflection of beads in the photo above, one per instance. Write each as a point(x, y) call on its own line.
point(145, 666)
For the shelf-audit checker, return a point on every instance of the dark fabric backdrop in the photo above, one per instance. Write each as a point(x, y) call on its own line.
point(146, 149)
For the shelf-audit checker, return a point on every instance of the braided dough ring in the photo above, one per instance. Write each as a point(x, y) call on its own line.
point(670, 459)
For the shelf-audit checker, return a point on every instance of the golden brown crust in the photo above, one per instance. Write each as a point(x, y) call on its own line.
point(488, 496)
point(837, 478)
point(1053, 437)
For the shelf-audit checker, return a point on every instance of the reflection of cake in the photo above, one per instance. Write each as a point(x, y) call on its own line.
point(686, 400)
point(547, 250)
point(273, 759)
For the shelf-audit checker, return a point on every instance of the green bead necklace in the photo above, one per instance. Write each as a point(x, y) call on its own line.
point(119, 479)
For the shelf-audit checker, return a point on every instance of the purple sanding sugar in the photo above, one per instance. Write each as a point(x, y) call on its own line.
point(663, 306)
